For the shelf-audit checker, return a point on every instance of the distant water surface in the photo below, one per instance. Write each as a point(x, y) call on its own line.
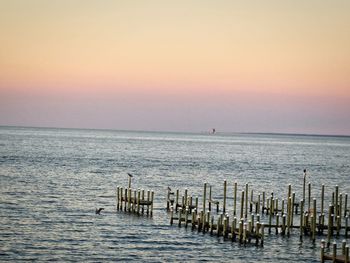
point(51, 181)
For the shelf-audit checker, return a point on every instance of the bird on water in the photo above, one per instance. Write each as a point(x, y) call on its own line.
point(98, 211)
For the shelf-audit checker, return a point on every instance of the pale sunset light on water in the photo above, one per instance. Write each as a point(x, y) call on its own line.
point(238, 66)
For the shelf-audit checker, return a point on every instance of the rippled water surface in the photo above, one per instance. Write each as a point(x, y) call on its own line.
point(53, 179)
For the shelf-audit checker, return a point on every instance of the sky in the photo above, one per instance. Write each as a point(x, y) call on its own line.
point(184, 65)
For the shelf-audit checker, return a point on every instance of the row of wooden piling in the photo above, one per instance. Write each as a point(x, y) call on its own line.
point(235, 230)
point(343, 257)
point(134, 201)
point(280, 214)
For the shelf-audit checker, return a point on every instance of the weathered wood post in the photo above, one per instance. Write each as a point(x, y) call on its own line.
point(240, 230)
point(322, 199)
point(117, 197)
point(126, 197)
point(340, 207)
point(334, 256)
point(251, 200)
point(148, 199)
point(309, 196)
point(129, 199)
point(204, 196)
point(138, 201)
point(314, 221)
point(143, 200)
point(346, 205)
point(246, 201)
point(152, 201)
point(121, 198)
point(186, 217)
point(337, 218)
point(242, 204)
point(210, 199)
point(336, 201)
point(177, 200)
point(270, 214)
point(330, 223)
point(235, 199)
point(304, 184)
point(343, 245)
point(262, 233)
point(233, 230)
point(291, 212)
point(323, 246)
point(179, 216)
point(224, 203)
point(263, 203)
point(134, 202)
point(301, 218)
point(283, 232)
point(129, 180)
point(171, 215)
point(193, 219)
point(224, 230)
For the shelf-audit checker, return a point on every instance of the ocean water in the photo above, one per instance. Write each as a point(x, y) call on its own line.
point(51, 181)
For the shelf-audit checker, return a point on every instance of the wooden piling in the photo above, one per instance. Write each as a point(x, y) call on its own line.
point(329, 230)
point(289, 211)
point(235, 199)
point(224, 203)
point(143, 199)
point(336, 205)
point(263, 203)
point(126, 198)
point(309, 196)
point(322, 199)
point(242, 204)
point(304, 184)
point(346, 205)
point(210, 198)
point(246, 201)
point(138, 201)
point(292, 210)
point(323, 246)
point(179, 216)
point(204, 196)
point(129, 199)
point(148, 199)
point(314, 221)
point(177, 200)
point(171, 215)
point(301, 218)
point(152, 201)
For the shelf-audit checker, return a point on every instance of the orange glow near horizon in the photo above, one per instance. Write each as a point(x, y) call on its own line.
point(170, 50)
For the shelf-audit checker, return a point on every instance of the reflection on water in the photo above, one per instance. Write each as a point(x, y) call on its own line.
point(53, 179)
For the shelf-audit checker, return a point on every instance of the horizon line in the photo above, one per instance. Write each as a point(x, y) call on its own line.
point(178, 131)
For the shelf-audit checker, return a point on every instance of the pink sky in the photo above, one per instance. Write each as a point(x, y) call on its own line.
point(181, 66)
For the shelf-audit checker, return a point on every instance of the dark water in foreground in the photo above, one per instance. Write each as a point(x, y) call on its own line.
point(51, 180)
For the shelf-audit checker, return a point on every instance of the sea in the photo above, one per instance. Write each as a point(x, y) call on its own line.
point(52, 180)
